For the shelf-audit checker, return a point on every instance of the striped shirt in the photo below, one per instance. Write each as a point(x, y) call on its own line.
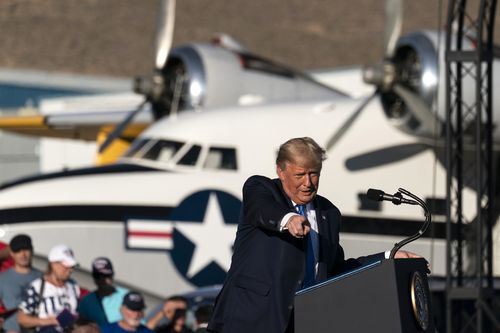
point(53, 301)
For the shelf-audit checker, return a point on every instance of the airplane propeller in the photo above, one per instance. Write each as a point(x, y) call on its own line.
point(348, 123)
point(384, 156)
point(153, 87)
point(165, 32)
point(383, 74)
point(394, 22)
point(390, 76)
point(394, 75)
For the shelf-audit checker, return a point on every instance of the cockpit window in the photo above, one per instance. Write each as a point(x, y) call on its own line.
point(191, 157)
point(163, 150)
point(221, 158)
point(256, 63)
point(157, 150)
point(184, 154)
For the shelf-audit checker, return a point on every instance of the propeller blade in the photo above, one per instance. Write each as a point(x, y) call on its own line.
point(381, 157)
point(121, 127)
point(164, 32)
point(394, 22)
point(348, 123)
point(418, 108)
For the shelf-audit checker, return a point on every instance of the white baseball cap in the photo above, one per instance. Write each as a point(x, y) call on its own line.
point(63, 254)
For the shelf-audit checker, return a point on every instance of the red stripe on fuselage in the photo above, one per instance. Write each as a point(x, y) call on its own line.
point(150, 234)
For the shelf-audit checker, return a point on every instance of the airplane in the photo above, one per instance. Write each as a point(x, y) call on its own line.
point(191, 77)
point(166, 211)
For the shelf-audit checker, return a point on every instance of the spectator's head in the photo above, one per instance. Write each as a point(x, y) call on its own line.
point(102, 272)
point(203, 314)
point(21, 250)
point(61, 262)
point(175, 308)
point(132, 310)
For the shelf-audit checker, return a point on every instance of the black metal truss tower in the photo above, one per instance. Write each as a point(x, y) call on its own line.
point(469, 152)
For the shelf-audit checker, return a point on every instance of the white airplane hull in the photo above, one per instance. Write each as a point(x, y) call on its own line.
point(168, 231)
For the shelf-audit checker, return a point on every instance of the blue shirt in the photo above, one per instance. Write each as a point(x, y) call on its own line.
point(13, 286)
point(104, 311)
point(115, 328)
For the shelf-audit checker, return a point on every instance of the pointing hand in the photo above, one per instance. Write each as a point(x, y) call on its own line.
point(298, 226)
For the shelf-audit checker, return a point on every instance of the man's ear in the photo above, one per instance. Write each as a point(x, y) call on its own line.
point(279, 172)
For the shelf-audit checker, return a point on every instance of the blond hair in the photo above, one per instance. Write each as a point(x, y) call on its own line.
point(300, 151)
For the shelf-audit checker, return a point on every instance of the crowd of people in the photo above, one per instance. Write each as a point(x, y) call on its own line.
point(32, 301)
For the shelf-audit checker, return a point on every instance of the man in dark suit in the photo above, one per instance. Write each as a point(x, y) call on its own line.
point(280, 248)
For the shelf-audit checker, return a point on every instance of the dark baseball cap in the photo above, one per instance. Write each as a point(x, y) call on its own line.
point(102, 267)
point(134, 301)
point(20, 242)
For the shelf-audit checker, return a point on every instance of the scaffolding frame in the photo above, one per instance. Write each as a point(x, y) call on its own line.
point(469, 162)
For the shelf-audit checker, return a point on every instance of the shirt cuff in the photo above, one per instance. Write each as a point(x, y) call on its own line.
point(284, 221)
point(387, 254)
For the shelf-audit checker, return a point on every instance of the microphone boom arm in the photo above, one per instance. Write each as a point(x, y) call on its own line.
point(421, 231)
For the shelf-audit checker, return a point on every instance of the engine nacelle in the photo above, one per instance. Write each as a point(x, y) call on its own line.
point(212, 77)
point(420, 66)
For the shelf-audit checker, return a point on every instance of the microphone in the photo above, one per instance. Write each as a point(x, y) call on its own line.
point(396, 199)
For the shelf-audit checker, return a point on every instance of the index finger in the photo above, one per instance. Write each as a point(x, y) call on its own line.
point(306, 228)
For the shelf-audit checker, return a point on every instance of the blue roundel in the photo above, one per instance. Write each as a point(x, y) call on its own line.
point(192, 209)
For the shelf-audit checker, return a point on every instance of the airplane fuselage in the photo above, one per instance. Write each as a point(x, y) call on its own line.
point(168, 219)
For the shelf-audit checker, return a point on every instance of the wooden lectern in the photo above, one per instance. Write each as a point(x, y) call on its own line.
point(389, 296)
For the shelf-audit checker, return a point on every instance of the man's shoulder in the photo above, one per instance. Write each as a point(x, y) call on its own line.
point(35, 273)
point(36, 283)
point(144, 329)
point(112, 327)
point(116, 296)
point(11, 275)
point(5, 275)
point(88, 299)
point(257, 180)
point(115, 327)
point(120, 290)
point(12, 272)
point(73, 283)
point(325, 204)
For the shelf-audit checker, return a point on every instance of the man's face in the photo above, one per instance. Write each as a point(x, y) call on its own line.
point(300, 181)
point(61, 271)
point(103, 281)
point(131, 317)
point(22, 258)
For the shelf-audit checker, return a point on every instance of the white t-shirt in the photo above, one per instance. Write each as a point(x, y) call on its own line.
point(54, 299)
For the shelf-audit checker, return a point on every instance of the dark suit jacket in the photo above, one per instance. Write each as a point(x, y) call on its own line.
point(268, 265)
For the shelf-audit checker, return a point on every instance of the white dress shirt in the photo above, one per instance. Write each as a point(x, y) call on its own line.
point(314, 234)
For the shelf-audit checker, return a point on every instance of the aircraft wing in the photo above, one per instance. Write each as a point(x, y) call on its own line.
point(78, 117)
point(347, 80)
